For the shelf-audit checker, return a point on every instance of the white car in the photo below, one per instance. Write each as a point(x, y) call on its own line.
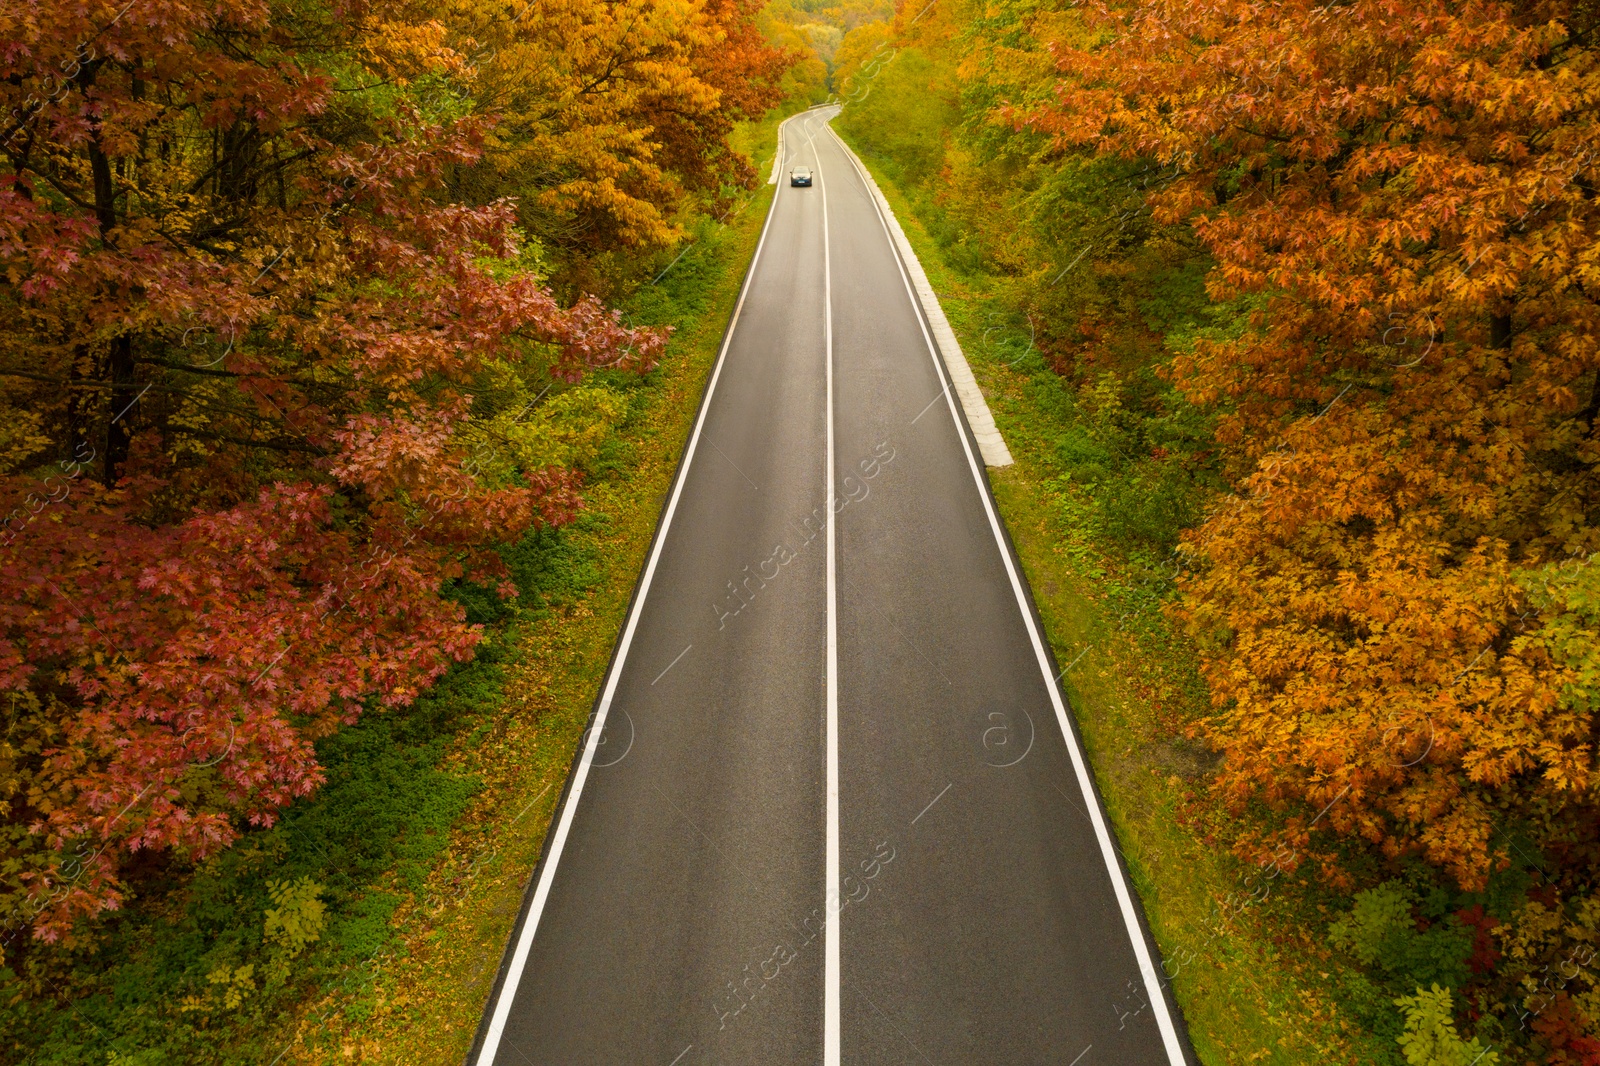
point(800, 176)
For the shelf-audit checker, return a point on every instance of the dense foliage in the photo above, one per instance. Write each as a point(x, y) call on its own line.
point(611, 115)
point(1409, 419)
point(281, 361)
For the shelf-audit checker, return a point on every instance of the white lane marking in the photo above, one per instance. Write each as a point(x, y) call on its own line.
point(1080, 765)
point(1074, 1062)
point(686, 1050)
point(830, 978)
point(558, 841)
point(931, 802)
point(673, 663)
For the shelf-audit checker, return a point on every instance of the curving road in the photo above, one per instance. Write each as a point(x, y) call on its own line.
point(832, 809)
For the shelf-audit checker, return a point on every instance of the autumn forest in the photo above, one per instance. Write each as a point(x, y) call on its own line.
point(346, 347)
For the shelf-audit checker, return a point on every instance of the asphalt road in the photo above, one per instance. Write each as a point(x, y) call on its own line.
point(832, 810)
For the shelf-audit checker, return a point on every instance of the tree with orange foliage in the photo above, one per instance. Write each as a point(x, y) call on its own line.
point(610, 116)
point(1405, 194)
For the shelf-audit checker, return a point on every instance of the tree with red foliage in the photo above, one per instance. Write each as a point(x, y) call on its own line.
point(1559, 1036)
point(255, 348)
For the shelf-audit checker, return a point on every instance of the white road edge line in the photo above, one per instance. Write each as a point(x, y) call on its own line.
point(1147, 967)
point(831, 953)
point(519, 959)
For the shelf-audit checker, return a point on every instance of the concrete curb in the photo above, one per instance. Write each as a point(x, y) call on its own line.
point(990, 443)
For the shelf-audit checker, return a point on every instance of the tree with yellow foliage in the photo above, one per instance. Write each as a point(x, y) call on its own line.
point(610, 117)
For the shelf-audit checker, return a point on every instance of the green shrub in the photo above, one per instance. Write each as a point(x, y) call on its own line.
point(1430, 1038)
point(1379, 915)
point(292, 924)
point(1381, 932)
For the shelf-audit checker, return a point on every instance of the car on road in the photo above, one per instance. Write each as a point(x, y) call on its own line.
point(800, 176)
